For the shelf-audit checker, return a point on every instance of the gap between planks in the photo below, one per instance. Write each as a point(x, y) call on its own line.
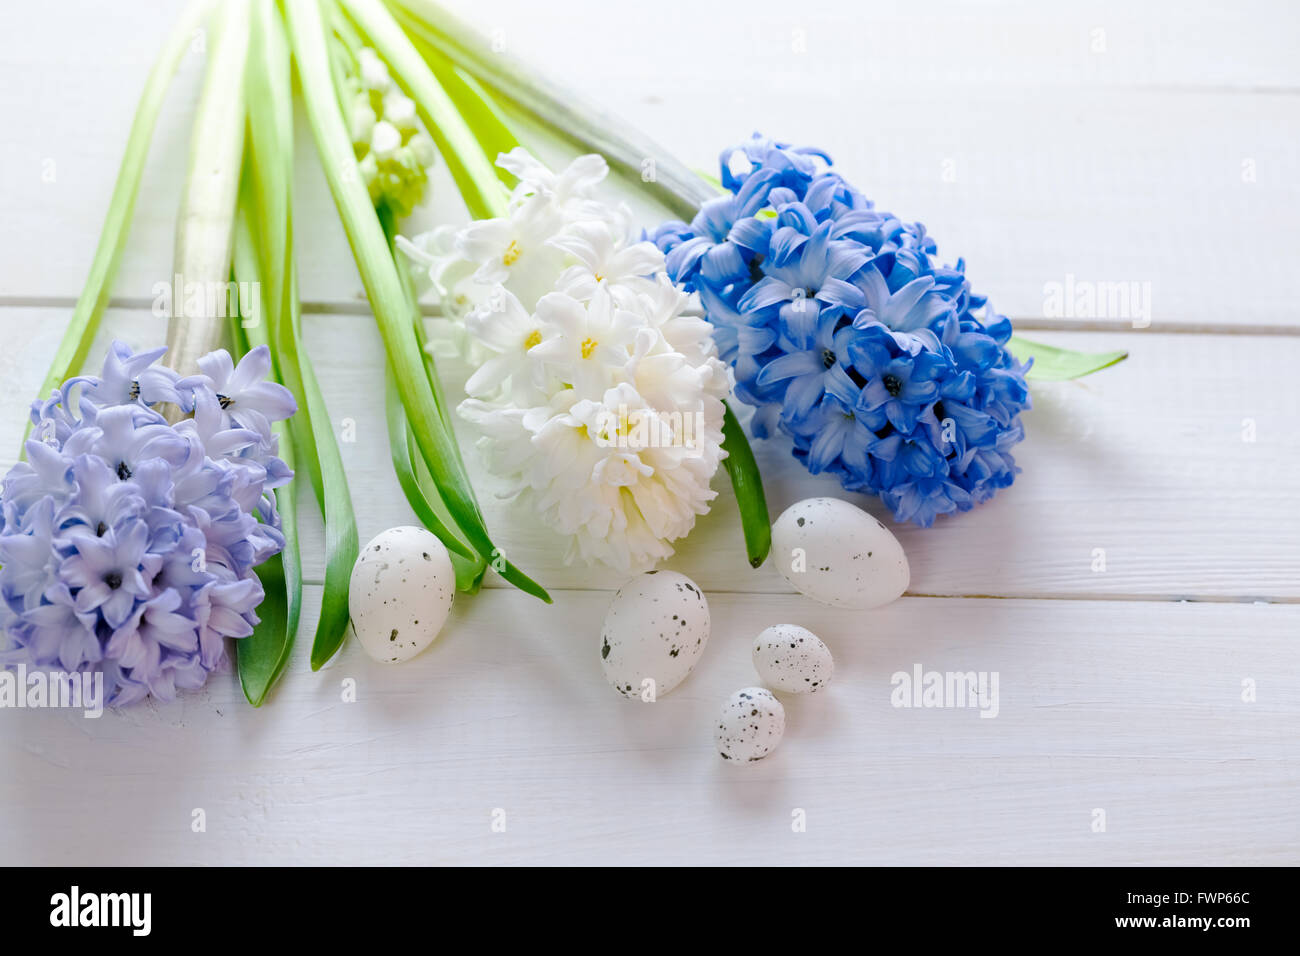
point(1031, 323)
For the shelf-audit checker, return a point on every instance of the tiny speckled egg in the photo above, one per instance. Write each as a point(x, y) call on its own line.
point(751, 725)
point(655, 630)
point(793, 659)
point(838, 554)
point(400, 593)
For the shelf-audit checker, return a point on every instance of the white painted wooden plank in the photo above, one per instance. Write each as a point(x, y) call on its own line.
point(1148, 466)
point(949, 45)
point(1135, 709)
point(1021, 149)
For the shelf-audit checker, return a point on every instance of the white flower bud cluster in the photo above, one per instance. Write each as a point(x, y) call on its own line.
point(393, 151)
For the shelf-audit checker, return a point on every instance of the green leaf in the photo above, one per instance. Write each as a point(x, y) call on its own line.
point(1052, 364)
point(80, 333)
point(748, 485)
point(474, 173)
point(262, 656)
point(404, 457)
point(270, 120)
point(470, 568)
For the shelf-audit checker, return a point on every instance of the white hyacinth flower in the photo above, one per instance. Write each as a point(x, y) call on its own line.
point(598, 399)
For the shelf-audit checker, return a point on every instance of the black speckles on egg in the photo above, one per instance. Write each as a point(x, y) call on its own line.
point(751, 726)
point(400, 593)
point(792, 659)
point(655, 629)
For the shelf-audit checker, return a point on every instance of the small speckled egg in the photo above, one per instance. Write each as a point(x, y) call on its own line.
point(654, 632)
point(838, 554)
point(751, 725)
point(793, 659)
point(400, 593)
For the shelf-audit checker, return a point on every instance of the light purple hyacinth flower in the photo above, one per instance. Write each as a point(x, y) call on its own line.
point(127, 545)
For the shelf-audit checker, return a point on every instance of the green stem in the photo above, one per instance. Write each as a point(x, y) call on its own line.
point(80, 333)
point(270, 123)
point(383, 284)
point(581, 122)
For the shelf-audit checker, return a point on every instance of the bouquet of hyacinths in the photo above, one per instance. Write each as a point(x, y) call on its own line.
point(156, 513)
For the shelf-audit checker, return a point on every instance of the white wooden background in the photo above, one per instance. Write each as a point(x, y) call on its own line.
point(1108, 141)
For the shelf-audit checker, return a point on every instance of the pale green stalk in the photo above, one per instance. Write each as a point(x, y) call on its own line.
point(205, 225)
point(80, 333)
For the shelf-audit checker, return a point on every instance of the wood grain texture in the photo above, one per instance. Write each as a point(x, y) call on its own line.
point(1108, 142)
point(1134, 709)
point(997, 125)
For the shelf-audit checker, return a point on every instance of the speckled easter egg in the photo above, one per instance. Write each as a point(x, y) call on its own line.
point(654, 632)
point(792, 659)
point(838, 554)
point(400, 593)
point(751, 725)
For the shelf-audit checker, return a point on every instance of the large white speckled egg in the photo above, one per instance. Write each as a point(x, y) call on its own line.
point(751, 725)
point(400, 593)
point(654, 632)
point(838, 554)
point(793, 659)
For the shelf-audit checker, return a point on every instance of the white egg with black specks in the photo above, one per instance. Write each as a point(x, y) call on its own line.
point(400, 593)
point(838, 554)
point(654, 632)
point(751, 725)
point(792, 659)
